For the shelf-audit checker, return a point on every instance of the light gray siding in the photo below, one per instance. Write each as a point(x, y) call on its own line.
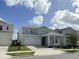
point(6, 33)
point(30, 39)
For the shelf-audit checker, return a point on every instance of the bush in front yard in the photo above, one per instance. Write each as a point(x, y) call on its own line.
point(15, 43)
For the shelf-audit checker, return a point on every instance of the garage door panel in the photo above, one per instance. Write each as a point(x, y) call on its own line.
point(5, 39)
point(32, 40)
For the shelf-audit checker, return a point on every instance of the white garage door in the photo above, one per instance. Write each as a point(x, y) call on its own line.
point(32, 40)
point(5, 39)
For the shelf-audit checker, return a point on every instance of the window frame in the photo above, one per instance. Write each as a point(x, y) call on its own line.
point(7, 28)
point(1, 27)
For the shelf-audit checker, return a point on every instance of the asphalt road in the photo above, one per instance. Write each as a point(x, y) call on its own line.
point(63, 56)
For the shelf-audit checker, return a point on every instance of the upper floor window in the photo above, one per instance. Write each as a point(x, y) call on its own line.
point(44, 31)
point(0, 27)
point(32, 31)
point(7, 28)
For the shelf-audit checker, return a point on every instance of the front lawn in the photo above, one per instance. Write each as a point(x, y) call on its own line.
point(21, 54)
point(18, 48)
point(24, 51)
point(71, 50)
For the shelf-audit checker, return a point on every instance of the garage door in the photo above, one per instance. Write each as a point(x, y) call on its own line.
point(5, 39)
point(32, 40)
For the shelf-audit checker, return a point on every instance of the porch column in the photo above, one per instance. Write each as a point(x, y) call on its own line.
point(48, 41)
point(54, 40)
point(22, 40)
point(64, 40)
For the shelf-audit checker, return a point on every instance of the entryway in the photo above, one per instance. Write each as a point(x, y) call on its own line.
point(44, 41)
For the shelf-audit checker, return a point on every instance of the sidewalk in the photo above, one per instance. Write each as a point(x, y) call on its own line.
point(19, 51)
point(3, 50)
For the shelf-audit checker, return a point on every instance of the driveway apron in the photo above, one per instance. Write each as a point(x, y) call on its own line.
point(3, 50)
point(45, 51)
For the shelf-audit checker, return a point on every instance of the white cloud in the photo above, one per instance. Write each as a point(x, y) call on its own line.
point(12, 2)
point(41, 6)
point(27, 3)
point(75, 3)
point(65, 18)
point(1, 19)
point(77, 10)
point(38, 20)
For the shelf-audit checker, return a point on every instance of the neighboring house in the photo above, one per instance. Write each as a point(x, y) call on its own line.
point(78, 38)
point(67, 31)
point(6, 31)
point(40, 36)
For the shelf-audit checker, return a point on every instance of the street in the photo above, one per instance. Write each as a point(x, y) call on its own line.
point(3, 55)
point(63, 56)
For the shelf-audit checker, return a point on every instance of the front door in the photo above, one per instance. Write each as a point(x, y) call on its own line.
point(44, 41)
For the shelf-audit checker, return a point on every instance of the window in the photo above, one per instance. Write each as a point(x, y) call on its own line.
point(31, 31)
point(0, 27)
point(7, 27)
point(56, 41)
point(26, 30)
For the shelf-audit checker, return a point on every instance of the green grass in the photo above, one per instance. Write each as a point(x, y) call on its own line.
point(21, 54)
point(71, 50)
point(18, 48)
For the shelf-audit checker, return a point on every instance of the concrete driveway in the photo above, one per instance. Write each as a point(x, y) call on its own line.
point(3, 50)
point(45, 51)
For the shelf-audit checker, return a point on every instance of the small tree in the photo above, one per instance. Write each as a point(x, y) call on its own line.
point(73, 40)
point(18, 46)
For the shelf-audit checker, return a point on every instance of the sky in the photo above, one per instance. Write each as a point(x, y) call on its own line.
point(55, 14)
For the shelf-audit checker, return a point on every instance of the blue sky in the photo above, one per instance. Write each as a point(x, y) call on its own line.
point(51, 13)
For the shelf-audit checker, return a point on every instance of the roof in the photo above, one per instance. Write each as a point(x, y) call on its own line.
point(67, 29)
point(3, 21)
point(53, 33)
point(35, 26)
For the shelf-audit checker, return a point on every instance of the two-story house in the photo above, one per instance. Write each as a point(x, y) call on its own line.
point(6, 31)
point(40, 36)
